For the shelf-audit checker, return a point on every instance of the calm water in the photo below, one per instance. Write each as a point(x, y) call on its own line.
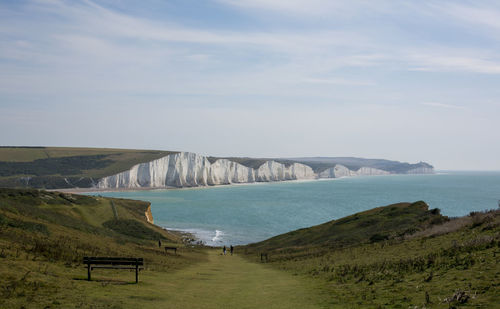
point(247, 213)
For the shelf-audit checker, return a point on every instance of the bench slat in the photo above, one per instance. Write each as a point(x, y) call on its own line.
point(114, 263)
point(110, 258)
point(109, 267)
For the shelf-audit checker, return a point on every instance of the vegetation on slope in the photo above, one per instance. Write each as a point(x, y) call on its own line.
point(44, 236)
point(432, 261)
point(62, 167)
point(373, 225)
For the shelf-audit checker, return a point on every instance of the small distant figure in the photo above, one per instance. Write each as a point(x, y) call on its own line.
point(231, 249)
point(159, 243)
point(224, 250)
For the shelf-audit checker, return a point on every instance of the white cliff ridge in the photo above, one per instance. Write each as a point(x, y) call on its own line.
point(186, 169)
point(341, 171)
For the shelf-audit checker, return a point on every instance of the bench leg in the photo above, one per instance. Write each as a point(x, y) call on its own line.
point(136, 273)
point(88, 272)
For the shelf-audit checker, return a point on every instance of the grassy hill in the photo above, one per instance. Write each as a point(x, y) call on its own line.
point(65, 167)
point(398, 256)
point(44, 236)
point(369, 226)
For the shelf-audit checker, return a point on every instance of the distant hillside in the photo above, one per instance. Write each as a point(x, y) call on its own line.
point(60, 167)
point(64, 167)
point(320, 164)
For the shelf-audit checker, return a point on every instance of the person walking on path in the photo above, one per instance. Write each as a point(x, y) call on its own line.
point(231, 249)
point(224, 250)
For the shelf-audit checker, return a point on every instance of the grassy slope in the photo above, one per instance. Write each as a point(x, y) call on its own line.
point(44, 236)
point(398, 272)
point(371, 225)
point(48, 166)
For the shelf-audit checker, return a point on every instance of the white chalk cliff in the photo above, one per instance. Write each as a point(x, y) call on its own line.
point(185, 169)
point(341, 171)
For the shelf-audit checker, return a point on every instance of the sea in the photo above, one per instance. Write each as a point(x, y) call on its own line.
point(247, 213)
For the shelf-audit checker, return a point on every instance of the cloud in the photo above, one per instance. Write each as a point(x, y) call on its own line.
point(313, 8)
point(486, 16)
point(457, 62)
point(442, 105)
point(339, 81)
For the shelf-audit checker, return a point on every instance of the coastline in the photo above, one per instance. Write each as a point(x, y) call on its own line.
point(96, 190)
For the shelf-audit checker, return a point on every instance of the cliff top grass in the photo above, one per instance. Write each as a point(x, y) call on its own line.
point(440, 263)
point(373, 225)
point(44, 236)
point(66, 167)
point(398, 256)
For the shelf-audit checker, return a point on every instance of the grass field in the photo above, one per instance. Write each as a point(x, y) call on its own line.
point(65, 167)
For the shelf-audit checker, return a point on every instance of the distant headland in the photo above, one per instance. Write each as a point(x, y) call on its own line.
point(105, 168)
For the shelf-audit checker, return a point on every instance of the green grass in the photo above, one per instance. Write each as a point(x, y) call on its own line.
point(369, 226)
point(421, 267)
point(65, 167)
point(44, 236)
point(41, 270)
point(218, 282)
point(421, 260)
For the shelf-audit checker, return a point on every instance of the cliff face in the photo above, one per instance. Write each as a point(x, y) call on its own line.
point(421, 170)
point(185, 169)
point(149, 215)
point(342, 171)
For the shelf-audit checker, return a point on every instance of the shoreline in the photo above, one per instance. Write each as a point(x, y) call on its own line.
point(94, 190)
point(104, 190)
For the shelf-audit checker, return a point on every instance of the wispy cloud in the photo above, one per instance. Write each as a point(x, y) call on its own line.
point(339, 81)
point(476, 14)
point(442, 105)
point(443, 62)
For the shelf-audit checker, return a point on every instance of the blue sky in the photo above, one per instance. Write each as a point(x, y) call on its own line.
point(404, 80)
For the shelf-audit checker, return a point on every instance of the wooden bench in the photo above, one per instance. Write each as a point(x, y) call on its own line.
point(113, 263)
point(171, 248)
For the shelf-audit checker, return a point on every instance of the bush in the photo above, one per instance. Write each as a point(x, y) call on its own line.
point(378, 237)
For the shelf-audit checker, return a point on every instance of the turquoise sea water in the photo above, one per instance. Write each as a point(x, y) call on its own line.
point(242, 214)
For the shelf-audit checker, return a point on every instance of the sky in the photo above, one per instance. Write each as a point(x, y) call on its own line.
point(403, 80)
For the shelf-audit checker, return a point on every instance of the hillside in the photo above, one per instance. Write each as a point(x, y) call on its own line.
point(369, 226)
point(64, 167)
point(44, 236)
point(398, 256)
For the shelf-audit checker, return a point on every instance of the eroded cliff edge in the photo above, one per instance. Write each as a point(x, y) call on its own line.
point(186, 169)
